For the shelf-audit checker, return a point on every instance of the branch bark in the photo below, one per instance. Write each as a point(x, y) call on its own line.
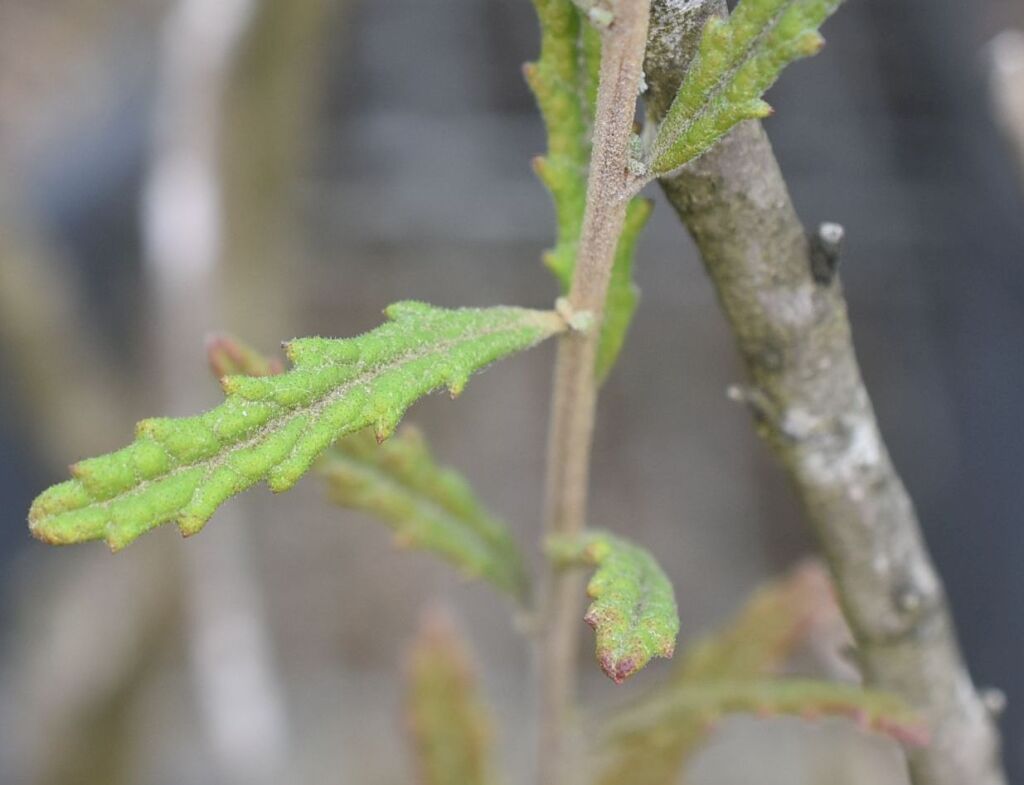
point(575, 393)
point(781, 294)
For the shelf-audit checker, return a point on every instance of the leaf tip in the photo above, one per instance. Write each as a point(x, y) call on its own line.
point(151, 427)
point(618, 670)
point(79, 470)
point(190, 525)
point(39, 530)
point(116, 545)
point(457, 385)
point(281, 481)
point(761, 110)
point(530, 74)
point(811, 43)
point(117, 539)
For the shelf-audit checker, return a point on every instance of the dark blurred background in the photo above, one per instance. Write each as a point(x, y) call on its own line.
point(278, 168)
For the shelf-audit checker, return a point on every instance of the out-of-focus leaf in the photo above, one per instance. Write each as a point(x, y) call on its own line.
point(450, 727)
point(429, 507)
point(759, 639)
point(739, 58)
point(229, 356)
point(623, 294)
point(727, 672)
point(707, 703)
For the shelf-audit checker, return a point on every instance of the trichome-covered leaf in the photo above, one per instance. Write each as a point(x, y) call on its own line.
point(450, 727)
point(739, 58)
point(274, 427)
point(754, 644)
point(428, 506)
point(623, 294)
point(564, 82)
point(633, 612)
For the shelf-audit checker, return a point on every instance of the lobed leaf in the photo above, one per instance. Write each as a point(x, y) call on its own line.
point(623, 294)
point(650, 743)
point(274, 427)
point(633, 611)
point(564, 81)
point(428, 506)
point(775, 620)
point(559, 82)
point(754, 644)
point(739, 58)
point(397, 481)
point(449, 725)
point(708, 702)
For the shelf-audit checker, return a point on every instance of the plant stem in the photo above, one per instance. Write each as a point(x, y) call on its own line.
point(575, 391)
point(782, 296)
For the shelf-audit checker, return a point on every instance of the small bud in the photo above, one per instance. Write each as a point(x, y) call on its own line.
point(601, 18)
point(826, 247)
point(578, 321)
point(994, 700)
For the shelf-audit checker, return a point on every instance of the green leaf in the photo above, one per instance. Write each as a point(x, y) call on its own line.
point(560, 82)
point(428, 506)
point(739, 59)
point(775, 620)
point(707, 703)
point(564, 81)
point(274, 427)
point(623, 294)
point(450, 727)
point(633, 611)
point(755, 643)
point(651, 742)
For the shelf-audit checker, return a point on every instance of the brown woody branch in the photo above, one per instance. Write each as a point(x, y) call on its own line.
point(781, 294)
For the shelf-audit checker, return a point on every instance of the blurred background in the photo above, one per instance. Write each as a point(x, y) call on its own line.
point(275, 168)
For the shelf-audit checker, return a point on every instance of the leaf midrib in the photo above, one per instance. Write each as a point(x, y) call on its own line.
point(219, 460)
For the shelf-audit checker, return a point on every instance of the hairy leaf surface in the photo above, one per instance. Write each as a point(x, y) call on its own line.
point(633, 612)
point(274, 427)
point(564, 81)
point(775, 620)
point(450, 727)
point(739, 59)
point(428, 506)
